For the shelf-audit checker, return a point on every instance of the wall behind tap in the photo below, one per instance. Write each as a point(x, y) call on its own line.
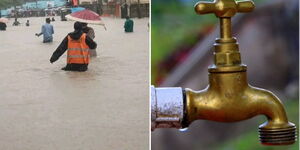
point(269, 44)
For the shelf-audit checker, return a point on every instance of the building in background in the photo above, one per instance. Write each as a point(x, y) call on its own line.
point(32, 8)
point(137, 8)
point(44, 4)
point(111, 8)
point(118, 8)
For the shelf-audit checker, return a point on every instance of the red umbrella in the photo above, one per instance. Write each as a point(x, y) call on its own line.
point(86, 16)
point(4, 20)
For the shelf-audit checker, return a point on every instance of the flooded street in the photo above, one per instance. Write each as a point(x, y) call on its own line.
point(45, 108)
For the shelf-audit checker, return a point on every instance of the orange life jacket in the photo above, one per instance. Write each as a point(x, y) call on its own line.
point(78, 51)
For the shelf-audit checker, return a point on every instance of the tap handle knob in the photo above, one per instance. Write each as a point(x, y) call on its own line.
point(224, 8)
point(245, 6)
point(205, 7)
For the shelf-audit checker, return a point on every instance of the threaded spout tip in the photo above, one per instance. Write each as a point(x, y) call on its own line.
point(281, 136)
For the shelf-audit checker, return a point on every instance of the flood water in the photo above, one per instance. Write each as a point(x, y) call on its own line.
point(45, 108)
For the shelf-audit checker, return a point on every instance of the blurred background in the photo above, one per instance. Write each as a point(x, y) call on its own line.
point(182, 51)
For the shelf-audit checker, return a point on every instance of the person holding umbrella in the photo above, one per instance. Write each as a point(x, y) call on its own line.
point(87, 17)
point(77, 45)
point(90, 32)
point(3, 22)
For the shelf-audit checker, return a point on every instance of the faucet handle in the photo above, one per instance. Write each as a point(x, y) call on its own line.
point(226, 47)
point(224, 8)
point(245, 6)
point(205, 7)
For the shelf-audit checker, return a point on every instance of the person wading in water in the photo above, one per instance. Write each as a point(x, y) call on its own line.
point(89, 32)
point(77, 45)
point(47, 31)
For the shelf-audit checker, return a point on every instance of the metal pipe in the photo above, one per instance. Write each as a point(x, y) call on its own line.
point(225, 28)
point(167, 107)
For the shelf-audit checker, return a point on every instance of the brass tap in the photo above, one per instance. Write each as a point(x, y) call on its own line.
point(229, 97)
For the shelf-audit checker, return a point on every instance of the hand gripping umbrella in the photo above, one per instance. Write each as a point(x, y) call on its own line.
point(86, 16)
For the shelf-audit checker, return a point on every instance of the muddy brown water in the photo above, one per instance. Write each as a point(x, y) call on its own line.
point(43, 107)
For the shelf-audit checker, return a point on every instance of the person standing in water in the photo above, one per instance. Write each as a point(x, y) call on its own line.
point(128, 25)
point(47, 31)
point(90, 33)
point(27, 23)
point(16, 22)
point(77, 45)
point(3, 26)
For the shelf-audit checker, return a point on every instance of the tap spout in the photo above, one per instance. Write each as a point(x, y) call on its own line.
point(229, 98)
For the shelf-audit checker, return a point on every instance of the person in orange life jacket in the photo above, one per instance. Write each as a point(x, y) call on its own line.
point(78, 44)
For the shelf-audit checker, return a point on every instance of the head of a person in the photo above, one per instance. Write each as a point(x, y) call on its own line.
point(77, 26)
point(127, 17)
point(16, 19)
point(48, 20)
point(27, 20)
